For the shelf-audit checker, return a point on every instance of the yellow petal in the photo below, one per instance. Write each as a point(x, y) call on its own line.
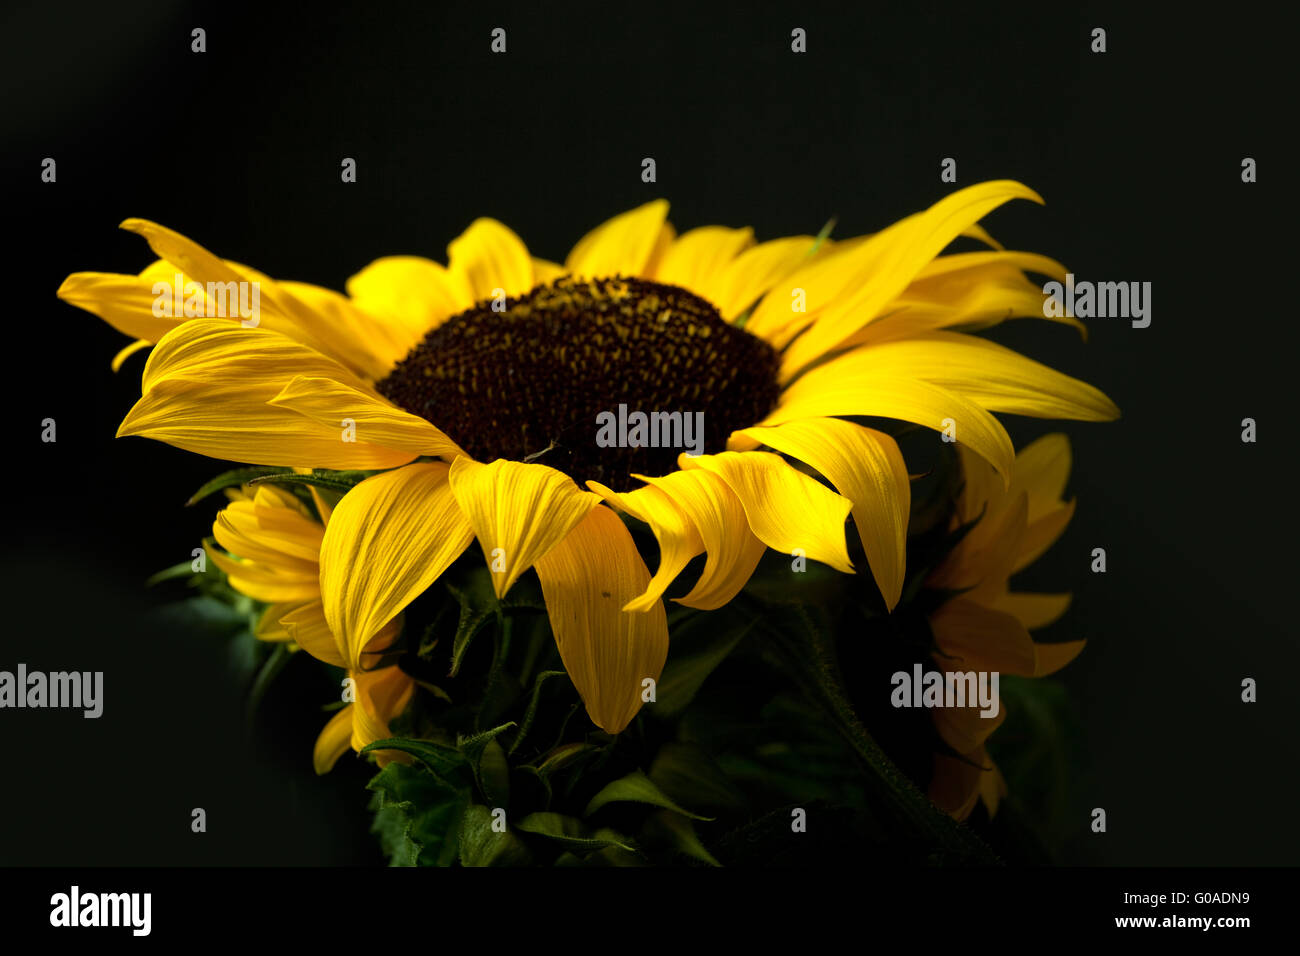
point(270, 526)
point(1041, 535)
point(621, 246)
point(388, 539)
point(545, 271)
point(731, 547)
point(1050, 658)
point(965, 728)
point(334, 325)
point(1033, 610)
point(1042, 469)
point(307, 627)
point(382, 695)
point(375, 421)
point(120, 358)
point(885, 266)
point(993, 376)
point(831, 391)
point(824, 277)
point(333, 740)
point(490, 257)
point(207, 386)
point(678, 538)
point(263, 582)
point(787, 510)
point(125, 302)
point(316, 317)
point(518, 511)
point(697, 261)
point(974, 637)
point(866, 467)
point(753, 273)
point(609, 653)
point(269, 627)
point(415, 293)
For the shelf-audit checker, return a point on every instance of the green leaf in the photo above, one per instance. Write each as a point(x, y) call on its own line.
point(417, 818)
point(482, 845)
point(236, 476)
point(183, 570)
point(699, 646)
point(686, 774)
point(442, 762)
point(636, 787)
point(571, 832)
point(680, 834)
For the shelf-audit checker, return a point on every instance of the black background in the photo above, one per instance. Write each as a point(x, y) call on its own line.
point(1138, 152)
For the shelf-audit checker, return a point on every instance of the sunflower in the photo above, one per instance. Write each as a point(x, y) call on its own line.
point(474, 390)
point(986, 626)
point(273, 542)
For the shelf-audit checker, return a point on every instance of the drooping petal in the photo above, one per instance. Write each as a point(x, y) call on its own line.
point(1042, 469)
point(489, 256)
point(822, 393)
point(1042, 534)
point(621, 246)
point(787, 510)
point(1033, 610)
point(345, 335)
point(207, 387)
point(382, 695)
point(993, 376)
point(518, 510)
point(866, 467)
point(679, 540)
point(732, 549)
point(587, 578)
point(376, 421)
point(964, 728)
point(971, 636)
point(389, 538)
point(125, 302)
point(333, 741)
point(307, 627)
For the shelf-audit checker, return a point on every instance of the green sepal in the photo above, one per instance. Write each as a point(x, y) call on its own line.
point(229, 479)
point(333, 480)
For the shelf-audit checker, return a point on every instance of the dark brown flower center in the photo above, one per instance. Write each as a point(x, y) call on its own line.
point(597, 378)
